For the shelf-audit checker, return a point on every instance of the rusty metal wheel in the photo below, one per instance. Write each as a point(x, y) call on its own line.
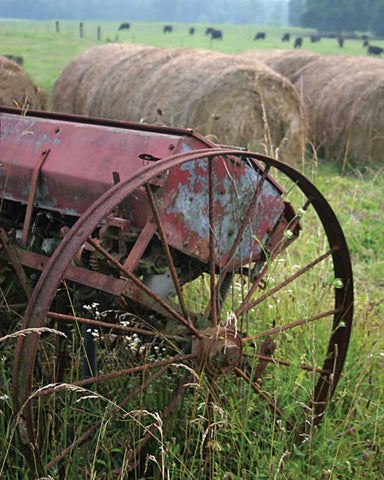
point(222, 303)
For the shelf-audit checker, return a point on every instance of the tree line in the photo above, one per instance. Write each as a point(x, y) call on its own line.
point(341, 15)
point(323, 15)
point(257, 12)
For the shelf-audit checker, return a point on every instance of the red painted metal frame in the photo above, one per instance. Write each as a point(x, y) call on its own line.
point(85, 159)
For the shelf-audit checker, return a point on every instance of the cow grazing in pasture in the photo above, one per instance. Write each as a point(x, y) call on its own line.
point(124, 26)
point(259, 36)
point(15, 58)
point(329, 35)
point(216, 34)
point(192, 31)
point(373, 50)
point(315, 38)
point(209, 30)
point(167, 29)
point(298, 42)
point(340, 41)
point(286, 37)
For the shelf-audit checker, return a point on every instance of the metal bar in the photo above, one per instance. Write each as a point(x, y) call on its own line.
point(141, 244)
point(284, 363)
point(96, 426)
point(281, 246)
point(149, 434)
point(167, 250)
point(265, 397)
point(31, 196)
point(245, 307)
point(288, 326)
point(212, 256)
point(109, 376)
point(13, 257)
point(100, 281)
point(99, 323)
point(250, 211)
point(143, 287)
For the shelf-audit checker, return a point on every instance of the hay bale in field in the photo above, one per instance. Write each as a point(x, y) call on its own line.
point(16, 89)
point(285, 62)
point(216, 94)
point(344, 98)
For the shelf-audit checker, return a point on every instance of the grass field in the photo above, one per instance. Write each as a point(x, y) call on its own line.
point(46, 53)
point(350, 442)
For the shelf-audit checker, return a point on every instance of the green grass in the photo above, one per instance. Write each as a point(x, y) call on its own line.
point(349, 444)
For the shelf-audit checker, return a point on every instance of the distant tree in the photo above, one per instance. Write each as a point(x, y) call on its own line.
point(339, 15)
point(377, 19)
point(295, 9)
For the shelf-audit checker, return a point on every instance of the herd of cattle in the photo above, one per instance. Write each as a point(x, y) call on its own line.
point(217, 34)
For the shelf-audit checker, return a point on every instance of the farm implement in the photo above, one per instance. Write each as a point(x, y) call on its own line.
point(163, 288)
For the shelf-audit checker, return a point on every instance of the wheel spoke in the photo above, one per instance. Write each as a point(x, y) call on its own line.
point(247, 305)
point(289, 326)
point(167, 251)
point(84, 437)
point(212, 241)
point(271, 258)
point(271, 404)
point(142, 286)
point(276, 361)
point(98, 323)
point(245, 221)
point(150, 431)
point(118, 373)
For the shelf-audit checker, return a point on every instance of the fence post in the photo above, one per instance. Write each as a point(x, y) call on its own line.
point(57, 26)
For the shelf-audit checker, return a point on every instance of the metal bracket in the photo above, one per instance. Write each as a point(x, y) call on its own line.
point(32, 194)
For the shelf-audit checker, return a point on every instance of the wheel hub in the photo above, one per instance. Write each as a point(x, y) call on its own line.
point(219, 351)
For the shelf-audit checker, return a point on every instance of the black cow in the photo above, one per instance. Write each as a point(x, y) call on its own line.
point(191, 31)
point(340, 41)
point(315, 38)
point(124, 26)
point(373, 50)
point(19, 60)
point(259, 36)
point(216, 34)
point(209, 30)
point(298, 42)
point(286, 37)
point(167, 28)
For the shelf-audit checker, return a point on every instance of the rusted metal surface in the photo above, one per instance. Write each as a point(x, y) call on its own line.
point(219, 351)
point(31, 196)
point(186, 217)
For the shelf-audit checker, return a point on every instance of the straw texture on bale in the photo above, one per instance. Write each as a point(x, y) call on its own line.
point(344, 98)
point(285, 62)
point(17, 90)
point(213, 93)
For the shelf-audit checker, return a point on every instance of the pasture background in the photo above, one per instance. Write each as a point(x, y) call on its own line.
point(351, 441)
point(46, 52)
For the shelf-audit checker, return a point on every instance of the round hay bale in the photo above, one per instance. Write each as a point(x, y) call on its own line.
point(17, 90)
point(285, 62)
point(213, 93)
point(344, 99)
